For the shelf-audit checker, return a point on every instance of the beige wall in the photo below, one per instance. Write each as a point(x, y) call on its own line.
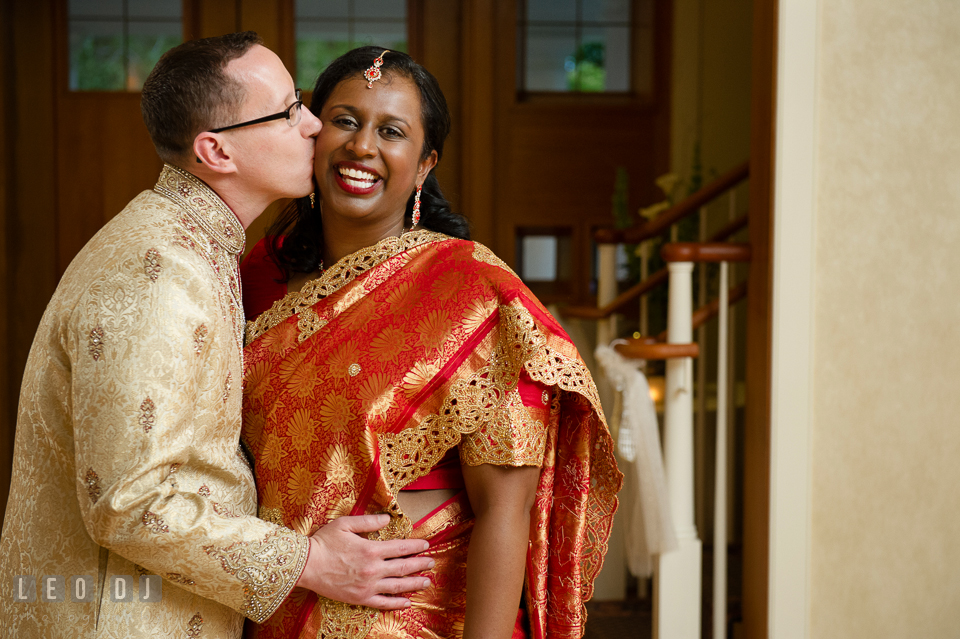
point(885, 465)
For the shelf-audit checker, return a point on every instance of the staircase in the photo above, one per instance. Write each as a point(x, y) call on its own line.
point(678, 612)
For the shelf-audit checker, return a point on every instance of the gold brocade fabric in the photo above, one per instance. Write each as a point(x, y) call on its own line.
point(126, 459)
point(359, 384)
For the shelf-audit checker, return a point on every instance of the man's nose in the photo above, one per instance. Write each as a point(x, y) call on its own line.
point(310, 124)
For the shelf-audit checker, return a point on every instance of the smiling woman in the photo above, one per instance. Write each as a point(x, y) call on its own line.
point(442, 393)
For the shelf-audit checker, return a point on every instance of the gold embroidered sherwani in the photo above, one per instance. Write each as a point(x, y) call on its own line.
point(127, 458)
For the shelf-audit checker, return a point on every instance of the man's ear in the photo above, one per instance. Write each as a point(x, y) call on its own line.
point(210, 149)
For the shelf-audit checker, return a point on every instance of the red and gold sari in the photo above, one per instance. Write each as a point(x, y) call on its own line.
point(359, 384)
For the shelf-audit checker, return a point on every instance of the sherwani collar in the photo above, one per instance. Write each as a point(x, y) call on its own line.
point(204, 206)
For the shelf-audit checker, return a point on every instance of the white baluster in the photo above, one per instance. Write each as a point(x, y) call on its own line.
point(720, 485)
point(678, 573)
point(607, 291)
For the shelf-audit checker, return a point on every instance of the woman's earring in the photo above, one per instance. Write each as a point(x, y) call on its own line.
point(313, 199)
point(415, 218)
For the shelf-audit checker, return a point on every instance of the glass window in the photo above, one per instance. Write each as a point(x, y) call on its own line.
point(114, 44)
point(327, 29)
point(544, 259)
point(585, 45)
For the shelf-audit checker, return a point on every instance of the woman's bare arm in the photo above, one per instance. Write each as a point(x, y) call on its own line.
point(501, 498)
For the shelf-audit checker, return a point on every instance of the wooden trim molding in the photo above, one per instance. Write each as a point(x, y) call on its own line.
point(756, 463)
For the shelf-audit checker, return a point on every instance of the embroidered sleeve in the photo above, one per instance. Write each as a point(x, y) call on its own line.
point(155, 406)
point(516, 436)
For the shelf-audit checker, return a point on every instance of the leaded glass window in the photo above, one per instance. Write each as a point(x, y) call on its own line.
point(114, 44)
point(327, 29)
point(585, 46)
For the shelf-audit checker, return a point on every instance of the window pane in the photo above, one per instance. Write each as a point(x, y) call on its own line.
point(323, 9)
point(96, 56)
point(390, 35)
point(552, 10)
point(147, 42)
point(392, 9)
point(539, 258)
point(550, 57)
point(170, 9)
point(357, 23)
point(317, 47)
point(606, 11)
point(96, 8)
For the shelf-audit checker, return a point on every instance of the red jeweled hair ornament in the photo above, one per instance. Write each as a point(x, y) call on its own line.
point(373, 73)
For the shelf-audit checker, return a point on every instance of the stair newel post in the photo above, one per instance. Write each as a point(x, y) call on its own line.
point(678, 572)
point(607, 291)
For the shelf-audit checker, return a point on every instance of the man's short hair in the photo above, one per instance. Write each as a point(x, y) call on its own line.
point(188, 92)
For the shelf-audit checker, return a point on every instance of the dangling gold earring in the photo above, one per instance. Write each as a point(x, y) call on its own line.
point(313, 200)
point(415, 217)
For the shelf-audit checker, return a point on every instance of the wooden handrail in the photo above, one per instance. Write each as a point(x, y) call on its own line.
point(709, 310)
point(705, 252)
point(676, 212)
point(649, 349)
point(724, 233)
point(620, 301)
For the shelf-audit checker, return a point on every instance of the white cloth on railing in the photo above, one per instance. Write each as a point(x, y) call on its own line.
point(644, 499)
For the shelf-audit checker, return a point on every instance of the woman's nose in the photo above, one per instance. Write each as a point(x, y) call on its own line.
point(363, 143)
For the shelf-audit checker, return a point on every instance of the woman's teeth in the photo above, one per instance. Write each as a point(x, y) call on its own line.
point(357, 178)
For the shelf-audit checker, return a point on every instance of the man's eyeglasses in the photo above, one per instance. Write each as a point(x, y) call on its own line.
point(291, 113)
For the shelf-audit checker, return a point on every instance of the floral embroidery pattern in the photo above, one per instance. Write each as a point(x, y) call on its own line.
point(148, 414)
point(95, 343)
point(199, 337)
point(154, 522)
point(92, 480)
point(177, 578)
point(204, 491)
point(267, 569)
point(194, 626)
point(226, 387)
point(152, 265)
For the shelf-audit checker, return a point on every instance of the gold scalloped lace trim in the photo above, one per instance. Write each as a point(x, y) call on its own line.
point(472, 403)
point(268, 569)
point(332, 280)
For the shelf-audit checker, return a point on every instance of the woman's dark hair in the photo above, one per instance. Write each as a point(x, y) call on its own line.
point(299, 224)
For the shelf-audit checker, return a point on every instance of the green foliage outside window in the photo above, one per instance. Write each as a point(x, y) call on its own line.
point(313, 56)
point(585, 68)
point(102, 63)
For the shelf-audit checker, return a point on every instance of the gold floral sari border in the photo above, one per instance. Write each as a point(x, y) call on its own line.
point(478, 400)
point(336, 277)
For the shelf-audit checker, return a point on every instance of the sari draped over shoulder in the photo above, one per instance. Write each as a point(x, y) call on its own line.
point(360, 383)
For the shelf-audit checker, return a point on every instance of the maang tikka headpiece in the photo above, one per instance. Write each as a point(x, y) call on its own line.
point(373, 73)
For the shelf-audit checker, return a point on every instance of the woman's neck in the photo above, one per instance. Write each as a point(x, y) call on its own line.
point(341, 237)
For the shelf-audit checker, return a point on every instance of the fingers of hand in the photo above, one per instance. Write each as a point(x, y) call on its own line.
point(395, 586)
point(402, 547)
point(387, 603)
point(360, 523)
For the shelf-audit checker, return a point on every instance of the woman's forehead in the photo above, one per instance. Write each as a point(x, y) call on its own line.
point(393, 94)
